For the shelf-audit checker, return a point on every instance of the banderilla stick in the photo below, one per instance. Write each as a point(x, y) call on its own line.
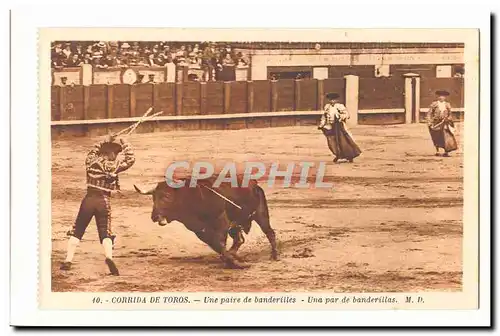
point(139, 121)
point(133, 127)
point(223, 197)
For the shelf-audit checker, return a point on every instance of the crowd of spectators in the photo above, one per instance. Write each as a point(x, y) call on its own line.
point(208, 56)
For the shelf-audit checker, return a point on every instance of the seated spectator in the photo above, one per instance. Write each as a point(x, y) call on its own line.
point(212, 50)
point(151, 78)
point(180, 61)
point(242, 62)
point(199, 58)
point(218, 65)
point(122, 56)
point(146, 51)
point(173, 54)
point(134, 57)
point(64, 81)
point(218, 70)
point(59, 61)
point(102, 47)
point(193, 62)
point(230, 51)
point(67, 50)
point(160, 60)
point(87, 58)
point(228, 61)
point(134, 54)
point(97, 60)
point(166, 50)
point(156, 60)
point(113, 51)
point(140, 79)
point(90, 49)
point(125, 47)
point(142, 61)
point(181, 53)
point(109, 61)
point(113, 45)
point(74, 61)
point(122, 61)
point(54, 55)
point(57, 47)
point(151, 60)
point(221, 53)
point(79, 51)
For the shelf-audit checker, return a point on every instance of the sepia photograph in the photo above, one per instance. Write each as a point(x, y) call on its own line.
point(298, 166)
point(172, 174)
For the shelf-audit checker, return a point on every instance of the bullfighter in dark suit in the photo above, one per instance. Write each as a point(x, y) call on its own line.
point(332, 124)
point(102, 168)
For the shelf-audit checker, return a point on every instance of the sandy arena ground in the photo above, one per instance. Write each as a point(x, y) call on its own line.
point(391, 223)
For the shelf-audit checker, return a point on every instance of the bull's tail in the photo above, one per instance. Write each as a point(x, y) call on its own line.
point(261, 216)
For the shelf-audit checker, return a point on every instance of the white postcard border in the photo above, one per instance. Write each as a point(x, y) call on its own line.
point(24, 177)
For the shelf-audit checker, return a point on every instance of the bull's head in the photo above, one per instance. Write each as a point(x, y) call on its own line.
point(162, 200)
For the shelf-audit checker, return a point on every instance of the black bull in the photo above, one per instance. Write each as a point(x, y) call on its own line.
point(211, 217)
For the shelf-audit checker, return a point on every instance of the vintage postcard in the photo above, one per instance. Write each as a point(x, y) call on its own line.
point(251, 169)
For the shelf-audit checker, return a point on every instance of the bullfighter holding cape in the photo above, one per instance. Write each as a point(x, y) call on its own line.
point(440, 123)
point(102, 169)
point(334, 128)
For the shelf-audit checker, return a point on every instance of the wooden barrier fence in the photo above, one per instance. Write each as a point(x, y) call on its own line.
point(227, 105)
point(190, 98)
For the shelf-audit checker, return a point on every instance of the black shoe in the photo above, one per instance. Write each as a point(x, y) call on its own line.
point(112, 267)
point(66, 266)
point(335, 160)
point(446, 154)
point(351, 160)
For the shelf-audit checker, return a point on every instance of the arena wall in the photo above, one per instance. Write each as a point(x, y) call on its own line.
point(97, 109)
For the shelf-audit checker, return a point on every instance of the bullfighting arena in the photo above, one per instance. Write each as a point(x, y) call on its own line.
point(392, 221)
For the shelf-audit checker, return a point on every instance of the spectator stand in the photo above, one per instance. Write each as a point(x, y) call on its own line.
point(183, 61)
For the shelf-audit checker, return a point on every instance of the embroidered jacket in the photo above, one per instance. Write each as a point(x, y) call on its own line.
point(438, 111)
point(103, 173)
point(333, 113)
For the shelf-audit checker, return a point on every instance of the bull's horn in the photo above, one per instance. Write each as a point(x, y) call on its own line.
point(149, 192)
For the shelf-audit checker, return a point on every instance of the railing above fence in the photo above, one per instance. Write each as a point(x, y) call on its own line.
point(170, 73)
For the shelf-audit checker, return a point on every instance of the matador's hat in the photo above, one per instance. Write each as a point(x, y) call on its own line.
point(111, 147)
point(332, 95)
point(442, 93)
